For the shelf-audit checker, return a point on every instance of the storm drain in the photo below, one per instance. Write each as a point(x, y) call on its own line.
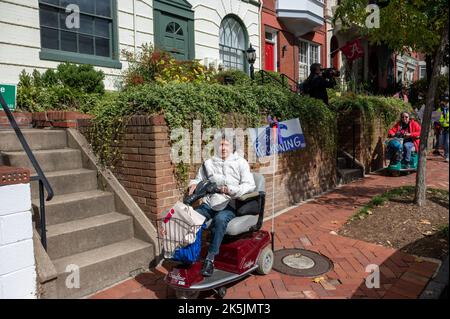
point(301, 262)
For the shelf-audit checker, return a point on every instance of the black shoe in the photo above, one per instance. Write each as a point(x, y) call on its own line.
point(208, 268)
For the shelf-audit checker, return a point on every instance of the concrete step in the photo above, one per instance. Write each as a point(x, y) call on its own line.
point(102, 267)
point(86, 234)
point(70, 207)
point(67, 182)
point(348, 175)
point(341, 163)
point(37, 140)
point(49, 160)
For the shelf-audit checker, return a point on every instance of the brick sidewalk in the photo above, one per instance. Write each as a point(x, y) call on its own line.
point(308, 226)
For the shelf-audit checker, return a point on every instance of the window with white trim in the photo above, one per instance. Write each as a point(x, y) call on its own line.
point(95, 34)
point(309, 54)
point(232, 44)
point(423, 72)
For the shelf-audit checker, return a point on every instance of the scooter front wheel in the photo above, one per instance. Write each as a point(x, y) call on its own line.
point(186, 294)
point(265, 261)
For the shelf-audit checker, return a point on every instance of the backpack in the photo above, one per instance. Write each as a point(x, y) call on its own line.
point(305, 87)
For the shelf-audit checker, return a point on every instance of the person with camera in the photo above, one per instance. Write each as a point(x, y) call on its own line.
point(231, 174)
point(319, 81)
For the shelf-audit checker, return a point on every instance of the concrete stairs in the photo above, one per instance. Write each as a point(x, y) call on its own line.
point(84, 227)
point(346, 172)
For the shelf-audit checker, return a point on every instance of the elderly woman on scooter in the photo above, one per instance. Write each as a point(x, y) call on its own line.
point(231, 173)
point(408, 129)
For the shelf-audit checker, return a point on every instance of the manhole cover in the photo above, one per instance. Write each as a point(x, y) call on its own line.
point(301, 262)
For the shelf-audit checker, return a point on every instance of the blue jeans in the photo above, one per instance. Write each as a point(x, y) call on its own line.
point(445, 141)
point(218, 226)
point(408, 147)
point(394, 153)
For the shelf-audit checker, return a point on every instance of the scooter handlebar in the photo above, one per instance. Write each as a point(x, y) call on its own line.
point(201, 191)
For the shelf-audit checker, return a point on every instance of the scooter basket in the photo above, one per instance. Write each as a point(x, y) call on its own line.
point(179, 241)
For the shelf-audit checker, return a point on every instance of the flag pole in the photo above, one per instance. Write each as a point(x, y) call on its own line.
point(274, 150)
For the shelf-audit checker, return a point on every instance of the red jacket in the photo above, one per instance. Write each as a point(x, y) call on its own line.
point(414, 129)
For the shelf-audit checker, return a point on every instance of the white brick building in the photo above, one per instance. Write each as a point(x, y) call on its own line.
point(35, 34)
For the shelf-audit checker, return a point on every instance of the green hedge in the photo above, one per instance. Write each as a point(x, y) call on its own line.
point(386, 108)
point(183, 102)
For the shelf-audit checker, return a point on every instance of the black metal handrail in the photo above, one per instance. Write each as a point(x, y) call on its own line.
point(43, 181)
point(295, 87)
point(284, 82)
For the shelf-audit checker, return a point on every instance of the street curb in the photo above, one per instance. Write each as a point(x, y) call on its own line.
point(436, 286)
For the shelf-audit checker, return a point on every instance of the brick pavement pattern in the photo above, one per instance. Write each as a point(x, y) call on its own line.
point(311, 226)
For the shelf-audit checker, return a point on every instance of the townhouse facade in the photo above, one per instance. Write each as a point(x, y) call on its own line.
point(288, 36)
point(40, 34)
point(380, 68)
point(294, 36)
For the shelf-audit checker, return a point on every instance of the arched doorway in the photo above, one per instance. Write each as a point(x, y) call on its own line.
point(335, 53)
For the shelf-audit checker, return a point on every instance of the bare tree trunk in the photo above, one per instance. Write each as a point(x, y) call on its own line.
point(421, 186)
point(429, 65)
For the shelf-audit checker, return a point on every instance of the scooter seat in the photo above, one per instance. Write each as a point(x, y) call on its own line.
point(239, 225)
point(242, 224)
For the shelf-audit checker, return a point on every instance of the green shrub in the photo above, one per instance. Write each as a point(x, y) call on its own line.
point(83, 78)
point(386, 108)
point(153, 65)
point(69, 87)
point(181, 103)
point(237, 77)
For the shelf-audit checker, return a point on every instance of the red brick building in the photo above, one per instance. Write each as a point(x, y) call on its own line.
point(293, 36)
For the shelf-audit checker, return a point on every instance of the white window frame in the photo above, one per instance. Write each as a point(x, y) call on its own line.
point(306, 66)
point(422, 71)
point(232, 54)
point(274, 41)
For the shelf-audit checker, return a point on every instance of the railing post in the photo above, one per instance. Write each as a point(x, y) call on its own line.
point(354, 142)
point(42, 215)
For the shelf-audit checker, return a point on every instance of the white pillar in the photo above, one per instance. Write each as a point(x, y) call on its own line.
point(17, 263)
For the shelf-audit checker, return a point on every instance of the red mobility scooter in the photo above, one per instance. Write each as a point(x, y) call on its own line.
point(245, 249)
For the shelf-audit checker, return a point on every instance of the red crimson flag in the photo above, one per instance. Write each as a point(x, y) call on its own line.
point(353, 50)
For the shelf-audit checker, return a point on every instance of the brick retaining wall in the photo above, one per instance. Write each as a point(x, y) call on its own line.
point(369, 139)
point(23, 119)
point(147, 173)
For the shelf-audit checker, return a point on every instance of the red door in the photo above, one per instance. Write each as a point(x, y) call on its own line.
point(270, 56)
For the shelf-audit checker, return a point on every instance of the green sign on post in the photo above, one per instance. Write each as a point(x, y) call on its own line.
point(9, 93)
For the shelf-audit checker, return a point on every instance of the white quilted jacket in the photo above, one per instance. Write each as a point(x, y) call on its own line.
point(233, 172)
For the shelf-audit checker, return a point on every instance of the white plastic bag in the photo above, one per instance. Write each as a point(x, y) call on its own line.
point(179, 228)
